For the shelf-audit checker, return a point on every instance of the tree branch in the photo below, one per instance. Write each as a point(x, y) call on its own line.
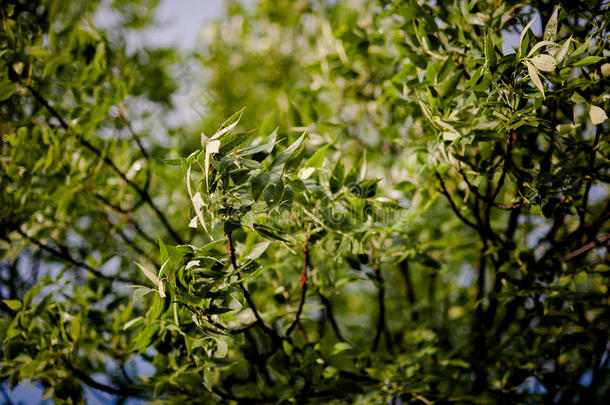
point(328, 309)
point(410, 292)
point(259, 320)
point(585, 197)
point(303, 284)
point(144, 195)
point(122, 391)
point(452, 204)
point(64, 255)
point(381, 321)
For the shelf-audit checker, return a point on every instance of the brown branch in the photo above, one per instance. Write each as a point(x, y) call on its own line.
point(303, 284)
point(585, 197)
point(452, 204)
point(382, 328)
point(586, 248)
point(259, 320)
point(328, 309)
point(410, 292)
point(590, 228)
point(64, 255)
point(135, 136)
point(475, 191)
point(144, 195)
point(121, 391)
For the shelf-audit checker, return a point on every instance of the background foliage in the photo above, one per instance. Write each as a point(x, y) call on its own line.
point(410, 208)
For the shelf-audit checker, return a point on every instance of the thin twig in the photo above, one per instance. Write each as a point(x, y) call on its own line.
point(122, 391)
point(410, 292)
point(303, 284)
point(452, 204)
point(135, 136)
point(585, 197)
point(381, 321)
point(328, 309)
point(249, 301)
point(586, 248)
point(65, 256)
point(144, 195)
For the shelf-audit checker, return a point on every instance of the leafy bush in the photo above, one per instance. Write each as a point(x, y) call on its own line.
point(412, 207)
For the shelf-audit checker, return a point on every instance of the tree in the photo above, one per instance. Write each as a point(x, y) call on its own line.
point(410, 208)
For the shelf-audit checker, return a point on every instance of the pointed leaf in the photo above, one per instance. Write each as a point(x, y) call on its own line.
point(533, 73)
point(336, 178)
point(597, 115)
point(14, 305)
point(258, 250)
point(550, 31)
point(150, 274)
point(544, 62)
point(524, 31)
point(289, 151)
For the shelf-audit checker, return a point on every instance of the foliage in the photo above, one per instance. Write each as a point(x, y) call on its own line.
point(406, 208)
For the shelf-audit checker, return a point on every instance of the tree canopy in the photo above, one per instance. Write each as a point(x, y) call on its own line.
point(382, 202)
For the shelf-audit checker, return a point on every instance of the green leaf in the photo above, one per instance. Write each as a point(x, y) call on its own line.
point(258, 184)
point(490, 51)
point(588, 60)
point(450, 84)
point(523, 34)
point(261, 151)
point(550, 31)
point(231, 141)
point(340, 347)
point(14, 305)
point(533, 73)
point(258, 250)
point(289, 151)
point(317, 158)
point(268, 232)
point(149, 273)
point(7, 89)
point(273, 193)
point(228, 125)
point(156, 310)
point(336, 178)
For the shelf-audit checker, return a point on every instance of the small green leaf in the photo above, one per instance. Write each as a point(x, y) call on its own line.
point(577, 98)
point(340, 347)
point(523, 33)
point(268, 232)
point(451, 84)
point(289, 151)
point(258, 184)
point(490, 51)
point(258, 250)
point(150, 274)
point(7, 89)
point(317, 158)
point(588, 60)
point(14, 305)
point(533, 73)
point(550, 31)
point(156, 310)
point(336, 178)
point(563, 51)
point(273, 193)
